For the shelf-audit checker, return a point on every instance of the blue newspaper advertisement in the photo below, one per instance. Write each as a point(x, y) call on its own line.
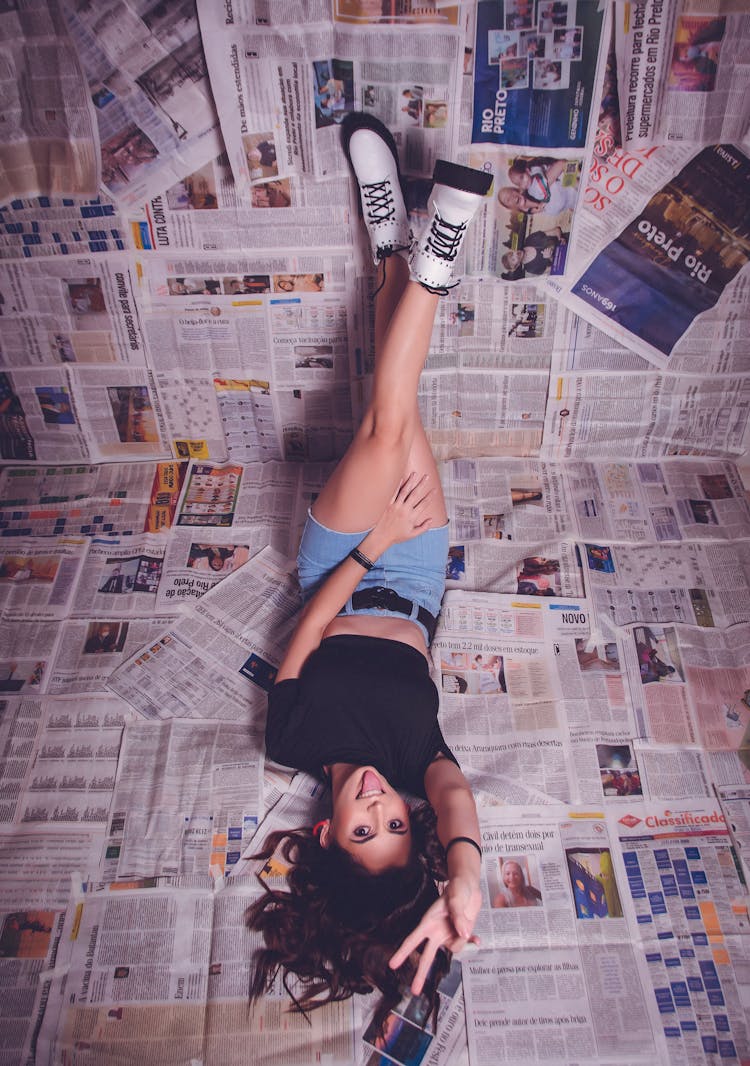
point(535, 71)
point(675, 259)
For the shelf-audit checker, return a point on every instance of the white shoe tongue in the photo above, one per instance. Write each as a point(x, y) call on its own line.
point(371, 781)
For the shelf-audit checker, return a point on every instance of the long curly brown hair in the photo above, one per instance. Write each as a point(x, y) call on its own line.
point(338, 925)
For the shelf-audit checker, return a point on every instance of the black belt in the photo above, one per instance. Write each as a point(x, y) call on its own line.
point(389, 600)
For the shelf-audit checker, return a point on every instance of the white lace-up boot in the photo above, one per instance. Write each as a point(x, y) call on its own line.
point(373, 156)
point(456, 195)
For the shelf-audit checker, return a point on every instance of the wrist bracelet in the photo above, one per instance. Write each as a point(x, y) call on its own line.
point(361, 558)
point(463, 840)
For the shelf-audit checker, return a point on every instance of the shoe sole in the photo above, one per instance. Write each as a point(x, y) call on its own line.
point(467, 179)
point(360, 120)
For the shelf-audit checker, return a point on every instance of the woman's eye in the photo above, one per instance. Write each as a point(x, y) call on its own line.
point(395, 824)
point(361, 831)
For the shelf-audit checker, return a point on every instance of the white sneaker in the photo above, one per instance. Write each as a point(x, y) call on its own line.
point(373, 156)
point(456, 195)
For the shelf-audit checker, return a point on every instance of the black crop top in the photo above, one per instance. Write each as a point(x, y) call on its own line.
point(362, 700)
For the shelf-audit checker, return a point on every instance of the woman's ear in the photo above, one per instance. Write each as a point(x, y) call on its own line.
point(324, 834)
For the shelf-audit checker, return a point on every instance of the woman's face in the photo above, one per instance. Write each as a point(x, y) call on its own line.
point(520, 178)
point(370, 820)
point(512, 198)
point(513, 259)
point(512, 876)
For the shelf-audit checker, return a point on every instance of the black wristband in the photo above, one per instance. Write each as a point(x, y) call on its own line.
point(361, 558)
point(462, 840)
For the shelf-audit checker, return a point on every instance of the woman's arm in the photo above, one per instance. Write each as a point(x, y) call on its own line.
point(554, 170)
point(450, 920)
point(407, 515)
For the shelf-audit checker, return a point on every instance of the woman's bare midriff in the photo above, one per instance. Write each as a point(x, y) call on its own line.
point(385, 627)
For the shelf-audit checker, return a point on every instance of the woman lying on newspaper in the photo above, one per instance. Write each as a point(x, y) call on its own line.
point(353, 701)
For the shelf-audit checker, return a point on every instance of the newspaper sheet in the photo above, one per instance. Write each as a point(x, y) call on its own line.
point(483, 411)
point(676, 500)
point(604, 400)
point(100, 499)
point(517, 499)
point(185, 1001)
point(500, 699)
point(26, 653)
point(581, 347)
point(147, 78)
point(188, 799)
point(252, 357)
point(38, 576)
point(50, 143)
point(61, 310)
point(202, 211)
point(34, 894)
point(535, 73)
point(88, 650)
point(687, 905)
point(59, 760)
point(227, 644)
point(697, 584)
point(287, 91)
point(561, 977)
point(682, 71)
point(42, 226)
point(675, 273)
point(121, 576)
point(735, 803)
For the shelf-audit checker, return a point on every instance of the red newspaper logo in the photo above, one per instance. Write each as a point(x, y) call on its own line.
point(630, 820)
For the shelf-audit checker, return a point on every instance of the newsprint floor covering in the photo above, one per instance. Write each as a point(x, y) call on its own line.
point(185, 349)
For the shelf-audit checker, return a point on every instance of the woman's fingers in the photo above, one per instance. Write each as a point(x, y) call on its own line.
point(407, 946)
point(425, 962)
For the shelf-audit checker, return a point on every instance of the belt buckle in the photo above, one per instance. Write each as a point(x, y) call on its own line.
point(384, 598)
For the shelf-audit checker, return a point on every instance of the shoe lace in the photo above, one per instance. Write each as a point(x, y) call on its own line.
point(378, 202)
point(444, 238)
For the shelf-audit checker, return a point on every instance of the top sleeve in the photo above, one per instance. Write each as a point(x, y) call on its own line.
point(441, 748)
point(282, 699)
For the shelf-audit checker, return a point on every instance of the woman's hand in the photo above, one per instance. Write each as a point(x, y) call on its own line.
point(447, 924)
point(408, 513)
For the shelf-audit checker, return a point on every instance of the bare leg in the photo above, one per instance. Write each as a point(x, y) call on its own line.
point(390, 442)
point(420, 459)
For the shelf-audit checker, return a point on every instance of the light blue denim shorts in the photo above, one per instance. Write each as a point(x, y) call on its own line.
point(415, 568)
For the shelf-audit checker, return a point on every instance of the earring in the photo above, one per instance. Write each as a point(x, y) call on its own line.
point(319, 826)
